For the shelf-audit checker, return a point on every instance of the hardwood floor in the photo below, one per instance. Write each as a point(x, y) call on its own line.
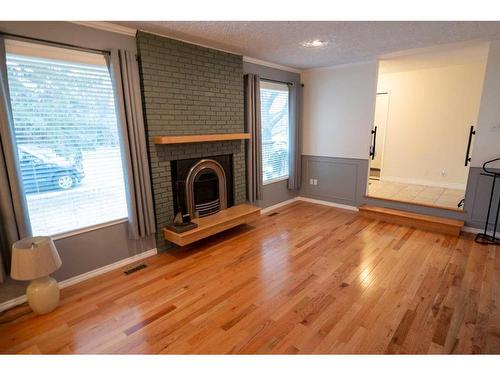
point(309, 279)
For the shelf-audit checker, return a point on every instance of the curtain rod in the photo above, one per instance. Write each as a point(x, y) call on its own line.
point(45, 41)
point(283, 82)
point(276, 81)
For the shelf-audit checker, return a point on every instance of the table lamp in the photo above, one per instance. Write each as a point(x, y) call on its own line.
point(35, 258)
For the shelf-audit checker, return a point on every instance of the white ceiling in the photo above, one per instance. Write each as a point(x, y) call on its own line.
point(279, 42)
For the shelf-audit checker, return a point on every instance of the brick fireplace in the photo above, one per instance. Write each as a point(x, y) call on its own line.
point(188, 90)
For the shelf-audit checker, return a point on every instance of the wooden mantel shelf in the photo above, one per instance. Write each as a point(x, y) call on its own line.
point(173, 139)
point(216, 223)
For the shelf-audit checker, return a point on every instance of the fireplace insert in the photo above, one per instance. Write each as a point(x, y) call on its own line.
point(202, 186)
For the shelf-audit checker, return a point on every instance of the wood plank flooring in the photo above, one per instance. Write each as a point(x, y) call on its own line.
point(309, 279)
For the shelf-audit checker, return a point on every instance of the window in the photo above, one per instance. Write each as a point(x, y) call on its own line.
point(67, 137)
point(275, 131)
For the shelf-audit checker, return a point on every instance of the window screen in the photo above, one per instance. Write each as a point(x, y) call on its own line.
point(275, 131)
point(67, 139)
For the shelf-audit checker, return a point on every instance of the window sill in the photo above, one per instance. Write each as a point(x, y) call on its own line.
point(88, 229)
point(275, 180)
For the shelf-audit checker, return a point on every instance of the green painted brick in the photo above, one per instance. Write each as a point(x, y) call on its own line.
point(189, 89)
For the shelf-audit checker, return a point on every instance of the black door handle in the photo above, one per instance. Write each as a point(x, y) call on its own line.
point(372, 148)
point(467, 157)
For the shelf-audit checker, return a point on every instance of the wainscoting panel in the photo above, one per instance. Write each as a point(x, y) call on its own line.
point(477, 198)
point(339, 180)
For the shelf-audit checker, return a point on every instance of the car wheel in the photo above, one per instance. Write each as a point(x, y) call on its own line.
point(64, 181)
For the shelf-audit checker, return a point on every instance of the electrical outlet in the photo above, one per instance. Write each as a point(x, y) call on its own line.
point(444, 173)
point(311, 181)
point(315, 181)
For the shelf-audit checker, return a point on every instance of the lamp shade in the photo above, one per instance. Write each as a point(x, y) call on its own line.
point(34, 257)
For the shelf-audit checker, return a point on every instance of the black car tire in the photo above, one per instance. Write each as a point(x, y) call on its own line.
point(64, 181)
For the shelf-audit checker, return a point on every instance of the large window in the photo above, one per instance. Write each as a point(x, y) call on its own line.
point(67, 138)
point(275, 131)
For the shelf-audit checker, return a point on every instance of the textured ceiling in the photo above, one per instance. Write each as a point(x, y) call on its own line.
point(279, 42)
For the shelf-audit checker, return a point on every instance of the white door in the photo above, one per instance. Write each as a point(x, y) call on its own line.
point(381, 113)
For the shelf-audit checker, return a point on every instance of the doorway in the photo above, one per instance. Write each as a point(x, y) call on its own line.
point(423, 133)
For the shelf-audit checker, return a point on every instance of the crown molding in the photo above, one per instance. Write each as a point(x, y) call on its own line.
point(340, 66)
point(271, 65)
point(245, 58)
point(107, 26)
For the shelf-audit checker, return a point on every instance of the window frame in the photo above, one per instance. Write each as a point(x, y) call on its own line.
point(91, 228)
point(270, 83)
point(275, 180)
point(62, 55)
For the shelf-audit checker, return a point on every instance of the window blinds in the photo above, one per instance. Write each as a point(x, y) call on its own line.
point(275, 131)
point(67, 138)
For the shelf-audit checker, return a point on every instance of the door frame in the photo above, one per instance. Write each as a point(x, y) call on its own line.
point(388, 93)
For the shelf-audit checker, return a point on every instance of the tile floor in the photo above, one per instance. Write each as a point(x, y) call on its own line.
point(437, 196)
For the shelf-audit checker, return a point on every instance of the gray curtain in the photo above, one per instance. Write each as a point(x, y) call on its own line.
point(124, 72)
point(253, 126)
point(14, 219)
point(295, 149)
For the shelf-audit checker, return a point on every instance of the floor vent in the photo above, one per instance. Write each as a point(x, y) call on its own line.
point(273, 214)
point(135, 269)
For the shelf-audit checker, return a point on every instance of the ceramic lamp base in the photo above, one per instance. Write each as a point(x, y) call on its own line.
point(43, 294)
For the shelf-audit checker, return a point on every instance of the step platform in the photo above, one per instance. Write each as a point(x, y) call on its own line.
point(425, 222)
point(213, 224)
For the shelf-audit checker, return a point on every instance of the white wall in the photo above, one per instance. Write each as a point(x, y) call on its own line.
point(338, 110)
point(487, 143)
point(430, 113)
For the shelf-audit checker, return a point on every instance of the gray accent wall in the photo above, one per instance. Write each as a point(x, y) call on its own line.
point(477, 199)
point(275, 192)
point(188, 89)
point(96, 248)
point(90, 250)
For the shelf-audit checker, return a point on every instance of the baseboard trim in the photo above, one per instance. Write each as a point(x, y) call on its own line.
point(471, 229)
point(310, 200)
point(478, 230)
point(110, 267)
point(278, 205)
point(13, 303)
point(84, 276)
point(416, 181)
point(327, 203)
